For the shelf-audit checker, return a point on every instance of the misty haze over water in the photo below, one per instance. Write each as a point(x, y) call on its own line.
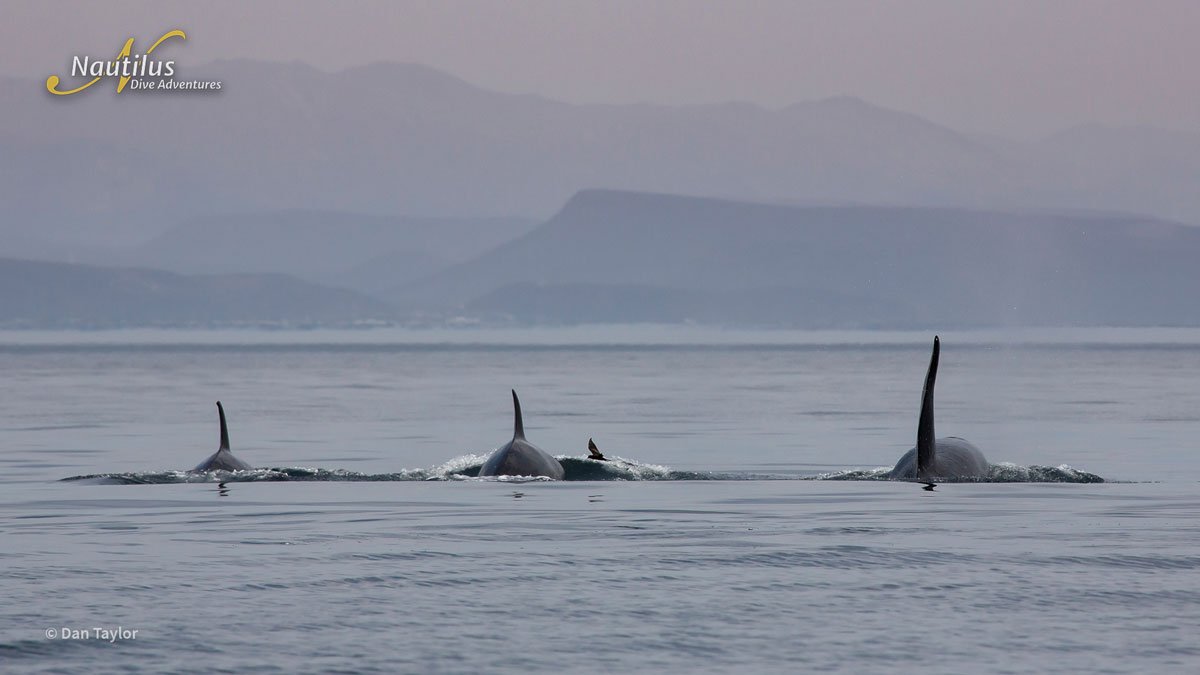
point(439, 202)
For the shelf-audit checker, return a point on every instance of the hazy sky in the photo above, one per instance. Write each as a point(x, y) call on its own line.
point(1019, 68)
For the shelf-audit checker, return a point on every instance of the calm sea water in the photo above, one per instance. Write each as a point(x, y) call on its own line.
point(725, 546)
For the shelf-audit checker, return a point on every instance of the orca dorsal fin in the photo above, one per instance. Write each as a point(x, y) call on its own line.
point(518, 423)
point(224, 429)
point(926, 438)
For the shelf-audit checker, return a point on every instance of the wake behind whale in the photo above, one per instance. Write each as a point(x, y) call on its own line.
point(466, 468)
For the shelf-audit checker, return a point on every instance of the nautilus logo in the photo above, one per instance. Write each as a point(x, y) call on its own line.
point(131, 68)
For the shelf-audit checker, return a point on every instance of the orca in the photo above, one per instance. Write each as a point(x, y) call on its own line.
point(222, 459)
point(594, 452)
point(951, 457)
point(519, 457)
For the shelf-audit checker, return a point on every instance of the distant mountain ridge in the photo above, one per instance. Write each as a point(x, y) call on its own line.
point(618, 256)
point(36, 294)
point(615, 257)
point(407, 139)
point(346, 250)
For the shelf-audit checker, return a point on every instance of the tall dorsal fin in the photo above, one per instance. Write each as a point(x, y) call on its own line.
point(518, 423)
point(926, 439)
point(224, 429)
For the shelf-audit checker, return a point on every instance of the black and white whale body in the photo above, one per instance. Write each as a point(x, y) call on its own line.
point(944, 458)
point(222, 459)
point(519, 457)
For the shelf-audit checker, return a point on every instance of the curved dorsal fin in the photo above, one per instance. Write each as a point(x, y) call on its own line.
point(518, 423)
point(224, 429)
point(926, 439)
point(594, 452)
